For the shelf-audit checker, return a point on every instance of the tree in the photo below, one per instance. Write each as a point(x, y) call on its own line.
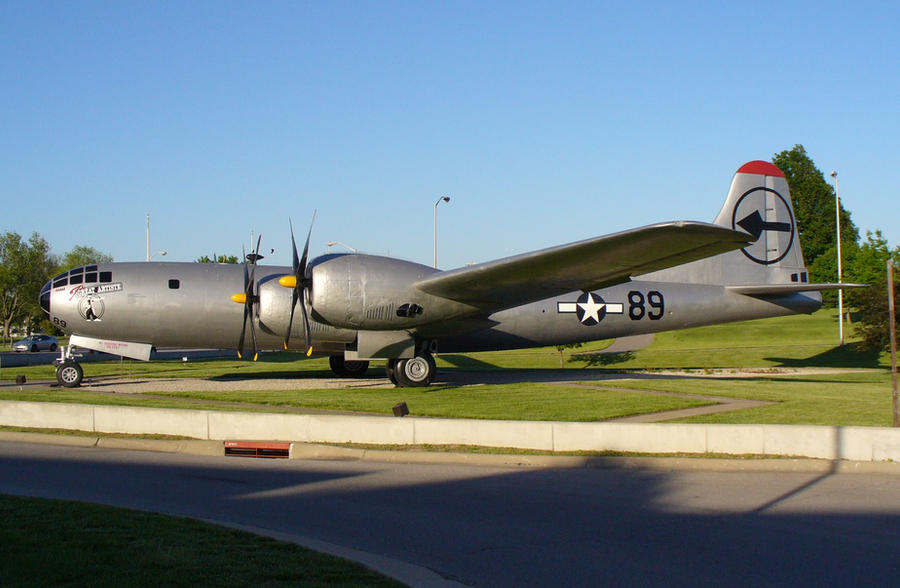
point(874, 317)
point(868, 263)
point(869, 266)
point(218, 259)
point(24, 268)
point(814, 208)
point(82, 255)
point(562, 348)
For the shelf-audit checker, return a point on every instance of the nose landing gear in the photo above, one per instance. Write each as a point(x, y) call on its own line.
point(69, 372)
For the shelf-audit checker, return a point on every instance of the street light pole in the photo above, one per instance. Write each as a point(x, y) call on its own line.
point(439, 200)
point(837, 216)
point(331, 244)
point(148, 236)
point(893, 330)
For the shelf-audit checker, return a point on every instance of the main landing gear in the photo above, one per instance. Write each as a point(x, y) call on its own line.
point(347, 369)
point(416, 371)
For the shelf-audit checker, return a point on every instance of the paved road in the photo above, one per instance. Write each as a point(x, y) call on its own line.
point(514, 526)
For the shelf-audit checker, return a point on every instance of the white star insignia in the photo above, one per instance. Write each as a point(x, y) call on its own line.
point(591, 309)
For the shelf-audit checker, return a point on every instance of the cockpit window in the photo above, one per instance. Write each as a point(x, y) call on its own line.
point(82, 275)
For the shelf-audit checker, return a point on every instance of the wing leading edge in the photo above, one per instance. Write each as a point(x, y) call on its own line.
point(584, 265)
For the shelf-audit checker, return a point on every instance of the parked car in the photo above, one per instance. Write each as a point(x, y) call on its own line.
point(36, 343)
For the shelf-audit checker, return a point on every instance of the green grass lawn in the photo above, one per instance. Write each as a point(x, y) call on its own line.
point(539, 402)
point(65, 543)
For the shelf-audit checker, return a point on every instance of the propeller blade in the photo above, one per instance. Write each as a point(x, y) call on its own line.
point(240, 350)
point(249, 300)
point(243, 330)
point(302, 269)
point(300, 283)
point(295, 265)
point(253, 336)
point(305, 323)
point(287, 336)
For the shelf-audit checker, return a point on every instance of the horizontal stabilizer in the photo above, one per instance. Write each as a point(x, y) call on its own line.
point(584, 265)
point(778, 289)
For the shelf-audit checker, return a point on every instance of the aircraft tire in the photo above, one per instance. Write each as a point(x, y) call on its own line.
point(390, 371)
point(414, 372)
point(347, 369)
point(69, 374)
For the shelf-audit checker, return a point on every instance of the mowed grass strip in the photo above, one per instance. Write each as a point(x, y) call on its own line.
point(540, 402)
point(66, 543)
point(537, 402)
point(852, 399)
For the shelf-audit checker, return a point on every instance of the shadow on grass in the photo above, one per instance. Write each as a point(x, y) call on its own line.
point(466, 362)
point(277, 356)
point(601, 359)
point(849, 355)
point(269, 375)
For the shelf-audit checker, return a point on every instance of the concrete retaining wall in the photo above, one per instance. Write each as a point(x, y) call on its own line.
point(853, 443)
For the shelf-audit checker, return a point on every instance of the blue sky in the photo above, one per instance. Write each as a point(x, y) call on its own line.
point(544, 122)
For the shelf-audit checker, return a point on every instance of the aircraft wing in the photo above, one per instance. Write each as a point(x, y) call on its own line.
point(584, 265)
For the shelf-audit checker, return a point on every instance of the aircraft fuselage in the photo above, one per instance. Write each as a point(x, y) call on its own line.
point(189, 305)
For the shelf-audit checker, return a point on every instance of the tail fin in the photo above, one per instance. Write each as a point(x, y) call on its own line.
point(759, 203)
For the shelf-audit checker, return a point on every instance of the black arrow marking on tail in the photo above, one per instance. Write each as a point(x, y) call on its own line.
point(755, 225)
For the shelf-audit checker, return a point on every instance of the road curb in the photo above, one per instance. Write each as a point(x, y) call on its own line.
point(313, 451)
point(191, 447)
point(658, 463)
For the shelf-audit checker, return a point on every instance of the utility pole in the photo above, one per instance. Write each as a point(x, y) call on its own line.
point(837, 216)
point(439, 200)
point(893, 328)
point(148, 236)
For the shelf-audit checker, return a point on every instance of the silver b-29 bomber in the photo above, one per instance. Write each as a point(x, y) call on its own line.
point(356, 308)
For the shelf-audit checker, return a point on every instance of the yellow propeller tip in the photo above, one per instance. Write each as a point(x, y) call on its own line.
point(240, 356)
point(309, 352)
point(255, 355)
point(288, 281)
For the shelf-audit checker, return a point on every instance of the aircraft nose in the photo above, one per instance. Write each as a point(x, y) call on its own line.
point(45, 297)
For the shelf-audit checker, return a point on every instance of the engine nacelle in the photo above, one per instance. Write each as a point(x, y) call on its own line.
point(274, 313)
point(375, 293)
point(275, 307)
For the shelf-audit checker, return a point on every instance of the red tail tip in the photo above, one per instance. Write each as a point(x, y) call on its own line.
point(763, 168)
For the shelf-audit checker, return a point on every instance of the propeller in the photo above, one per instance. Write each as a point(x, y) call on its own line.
point(248, 299)
point(299, 283)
